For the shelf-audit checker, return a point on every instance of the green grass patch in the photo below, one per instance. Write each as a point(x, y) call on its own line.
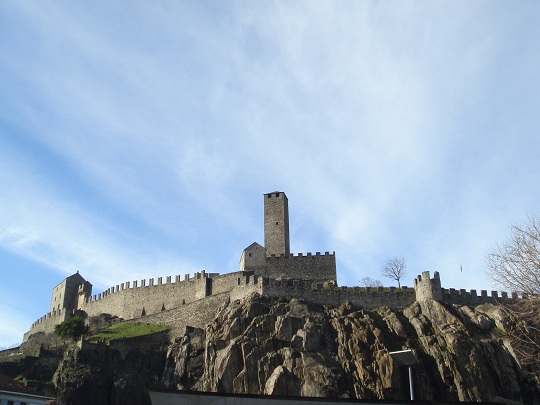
point(127, 330)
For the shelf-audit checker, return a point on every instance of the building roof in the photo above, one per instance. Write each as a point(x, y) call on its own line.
point(76, 276)
point(254, 245)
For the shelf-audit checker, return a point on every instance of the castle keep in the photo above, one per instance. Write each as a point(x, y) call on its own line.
point(269, 270)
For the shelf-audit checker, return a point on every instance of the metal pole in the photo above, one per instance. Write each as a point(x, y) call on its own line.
point(411, 383)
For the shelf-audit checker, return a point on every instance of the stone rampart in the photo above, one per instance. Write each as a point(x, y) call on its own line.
point(316, 268)
point(194, 300)
point(364, 297)
point(196, 314)
point(237, 285)
point(133, 300)
point(129, 301)
point(47, 323)
point(472, 298)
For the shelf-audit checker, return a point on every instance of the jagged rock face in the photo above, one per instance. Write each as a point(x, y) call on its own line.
point(284, 348)
point(468, 354)
point(270, 346)
point(289, 347)
point(184, 366)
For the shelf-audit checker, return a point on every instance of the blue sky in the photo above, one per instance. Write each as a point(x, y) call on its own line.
point(137, 140)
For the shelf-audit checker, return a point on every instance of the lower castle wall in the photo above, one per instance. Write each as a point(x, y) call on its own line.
point(471, 298)
point(201, 312)
point(196, 314)
point(335, 296)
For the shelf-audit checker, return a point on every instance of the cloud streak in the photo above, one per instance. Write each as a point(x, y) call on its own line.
point(137, 142)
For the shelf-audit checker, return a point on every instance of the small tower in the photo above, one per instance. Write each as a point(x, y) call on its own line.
point(276, 224)
point(85, 291)
point(253, 258)
point(428, 288)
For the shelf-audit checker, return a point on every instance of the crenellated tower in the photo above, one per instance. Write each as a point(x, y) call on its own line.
point(85, 292)
point(428, 288)
point(276, 224)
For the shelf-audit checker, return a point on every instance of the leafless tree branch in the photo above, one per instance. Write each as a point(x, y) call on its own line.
point(370, 282)
point(515, 265)
point(394, 269)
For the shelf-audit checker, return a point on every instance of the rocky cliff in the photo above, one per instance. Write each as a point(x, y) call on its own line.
point(290, 347)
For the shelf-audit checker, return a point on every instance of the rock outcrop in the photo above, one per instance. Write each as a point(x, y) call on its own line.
point(291, 347)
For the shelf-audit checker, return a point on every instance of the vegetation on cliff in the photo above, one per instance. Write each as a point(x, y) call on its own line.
point(71, 328)
point(127, 330)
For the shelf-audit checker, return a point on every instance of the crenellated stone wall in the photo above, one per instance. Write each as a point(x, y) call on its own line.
point(133, 300)
point(364, 297)
point(194, 300)
point(317, 268)
point(47, 323)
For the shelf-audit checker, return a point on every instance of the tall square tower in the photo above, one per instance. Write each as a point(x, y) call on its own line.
point(276, 224)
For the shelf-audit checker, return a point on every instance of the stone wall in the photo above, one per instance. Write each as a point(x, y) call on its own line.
point(194, 300)
point(131, 301)
point(364, 297)
point(316, 268)
point(196, 314)
point(46, 323)
point(237, 285)
point(472, 298)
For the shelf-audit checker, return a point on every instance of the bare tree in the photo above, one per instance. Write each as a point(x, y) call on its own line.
point(370, 282)
point(523, 329)
point(394, 269)
point(515, 265)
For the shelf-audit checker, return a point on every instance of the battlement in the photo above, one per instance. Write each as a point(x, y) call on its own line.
point(47, 322)
point(330, 294)
point(60, 314)
point(471, 297)
point(313, 267)
point(301, 255)
point(197, 278)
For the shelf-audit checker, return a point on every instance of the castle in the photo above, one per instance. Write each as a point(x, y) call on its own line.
point(269, 270)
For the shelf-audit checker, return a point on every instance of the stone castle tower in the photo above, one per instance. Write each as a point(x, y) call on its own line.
point(65, 296)
point(428, 289)
point(276, 224)
point(274, 260)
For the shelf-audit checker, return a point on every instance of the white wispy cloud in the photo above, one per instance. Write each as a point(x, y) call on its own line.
point(41, 224)
point(141, 140)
